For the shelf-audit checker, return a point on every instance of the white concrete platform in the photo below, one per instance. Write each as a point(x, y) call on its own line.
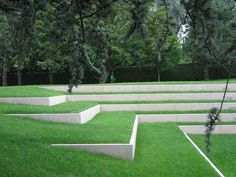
point(144, 88)
point(75, 118)
point(151, 97)
point(165, 107)
point(45, 101)
point(200, 129)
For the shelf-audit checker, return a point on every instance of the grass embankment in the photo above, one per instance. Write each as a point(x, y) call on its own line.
point(76, 107)
point(223, 152)
point(68, 107)
point(162, 150)
point(27, 91)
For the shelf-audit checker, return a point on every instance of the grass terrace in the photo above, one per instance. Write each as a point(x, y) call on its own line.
point(161, 148)
point(223, 152)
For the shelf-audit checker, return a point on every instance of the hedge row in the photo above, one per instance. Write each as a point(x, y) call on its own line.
point(183, 72)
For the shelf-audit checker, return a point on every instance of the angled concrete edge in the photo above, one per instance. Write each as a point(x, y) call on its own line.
point(89, 114)
point(74, 118)
point(200, 129)
point(134, 136)
point(54, 100)
point(123, 151)
point(45, 101)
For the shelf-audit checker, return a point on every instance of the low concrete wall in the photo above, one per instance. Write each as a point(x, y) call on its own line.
point(31, 101)
point(45, 101)
point(144, 88)
point(200, 129)
point(123, 151)
point(151, 118)
point(57, 100)
point(165, 107)
point(134, 136)
point(151, 97)
point(89, 114)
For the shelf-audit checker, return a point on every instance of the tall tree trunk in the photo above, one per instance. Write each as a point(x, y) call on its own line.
point(158, 73)
point(19, 76)
point(104, 74)
point(4, 72)
point(20, 66)
point(50, 77)
point(159, 66)
point(206, 72)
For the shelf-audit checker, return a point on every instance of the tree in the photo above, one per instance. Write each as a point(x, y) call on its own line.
point(5, 47)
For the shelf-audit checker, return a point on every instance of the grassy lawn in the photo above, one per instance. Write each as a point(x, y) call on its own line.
point(27, 91)
point(162, 150)
point(223, 152)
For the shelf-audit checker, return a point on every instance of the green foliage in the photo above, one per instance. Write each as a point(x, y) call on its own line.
point(100, 36)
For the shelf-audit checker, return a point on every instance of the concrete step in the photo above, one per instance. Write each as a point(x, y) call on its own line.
point(166, 107)
point(151, 97)
point(144, 88)
point(45, 101)
point(152, 118)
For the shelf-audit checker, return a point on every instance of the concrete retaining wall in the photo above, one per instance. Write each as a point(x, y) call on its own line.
point(151, 118)
point(165, 107)
point(45, 101)
point(75, 118)
point(124, 151)
point(57, 100)
point(199, 129)
point(89, 114)
point(134, 136)
point(151, 97)
point(144, 88)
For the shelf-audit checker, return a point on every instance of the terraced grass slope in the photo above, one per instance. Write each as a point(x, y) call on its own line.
point(68, 107)
point(162, 150)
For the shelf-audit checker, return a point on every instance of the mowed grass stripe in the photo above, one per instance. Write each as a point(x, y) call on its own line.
point(27, 91)
point(68, 107)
